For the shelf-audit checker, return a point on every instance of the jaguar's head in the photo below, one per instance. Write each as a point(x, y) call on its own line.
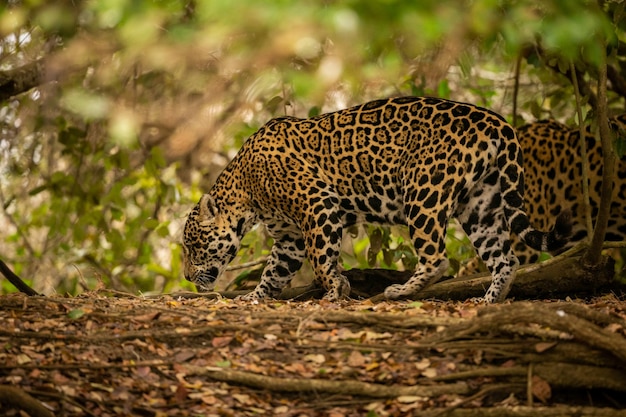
point(210, 241)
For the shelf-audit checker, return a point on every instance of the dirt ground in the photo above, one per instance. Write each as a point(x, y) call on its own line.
point(107, 354)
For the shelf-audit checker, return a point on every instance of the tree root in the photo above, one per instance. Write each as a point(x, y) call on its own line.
point(358, 388)
point(496, 317)
point(519, 411)
point(17, 398)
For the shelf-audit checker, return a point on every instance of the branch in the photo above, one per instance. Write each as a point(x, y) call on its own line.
point(20, 80)
point(583, 153)
point(15, 280)
point(593, 256)
point(584, 87)
point(618, 83)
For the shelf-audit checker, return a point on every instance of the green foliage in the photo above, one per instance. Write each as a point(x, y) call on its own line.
point(370, 246)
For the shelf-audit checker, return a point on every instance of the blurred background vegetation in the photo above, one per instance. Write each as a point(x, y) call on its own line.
point(115, 115)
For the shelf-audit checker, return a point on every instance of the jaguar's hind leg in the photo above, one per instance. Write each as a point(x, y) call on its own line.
point(485, 225)
point(323, 245)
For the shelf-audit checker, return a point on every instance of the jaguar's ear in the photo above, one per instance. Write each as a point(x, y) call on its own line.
point(208, 209)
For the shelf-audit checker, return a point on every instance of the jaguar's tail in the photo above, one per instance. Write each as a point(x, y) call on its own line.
point(550, 241)
point(512, 187)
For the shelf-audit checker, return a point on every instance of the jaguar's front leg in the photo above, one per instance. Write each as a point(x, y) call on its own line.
point(284, 261)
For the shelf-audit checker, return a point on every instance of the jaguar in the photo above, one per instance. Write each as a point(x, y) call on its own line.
point(553, 169)
point(416, 161)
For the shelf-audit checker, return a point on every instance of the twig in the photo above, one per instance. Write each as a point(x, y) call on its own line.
point(483, 392)
point(518, 65)
point(614, 245)
point(529, 385)
point(245, 265)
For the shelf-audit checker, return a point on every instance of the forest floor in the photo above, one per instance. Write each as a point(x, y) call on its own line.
point(107, 354)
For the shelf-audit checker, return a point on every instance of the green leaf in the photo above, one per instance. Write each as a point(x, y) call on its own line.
point(443, 89)
point(223, 364)
point(86, 103)
point(314, 111)
point(76, 314)
point(151, 224)
point(162, 229)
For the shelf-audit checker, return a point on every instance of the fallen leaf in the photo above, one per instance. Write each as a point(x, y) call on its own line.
point(296, 367)
point(543, 346)
point(143, 371)
point(406, 399)
point(541, 389)
point(377, 336)
point(22, 359)
point(372, 366)
point(423, 364)
point(614, 327)
point(101, 387)
point(242, 398)
point(347, 334)
point(221, 341)
point(356, 359)
point(181, 393)
point(147, 317)
point(509, 363)
point(184, 356)
point(315, 358)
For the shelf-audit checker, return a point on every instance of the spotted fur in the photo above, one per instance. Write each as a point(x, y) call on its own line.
point(410, 160)
point(553, 167)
